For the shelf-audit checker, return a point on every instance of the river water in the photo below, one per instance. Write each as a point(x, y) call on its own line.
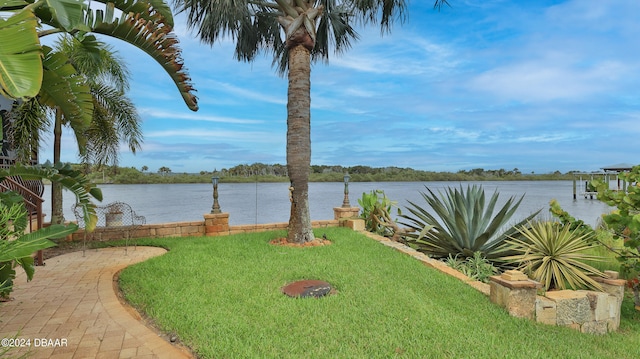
point(249, 203)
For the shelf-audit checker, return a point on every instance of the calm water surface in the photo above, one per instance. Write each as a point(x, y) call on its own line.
point(249, 203)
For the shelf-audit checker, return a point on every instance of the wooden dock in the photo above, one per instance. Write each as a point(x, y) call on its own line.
point(607, 175)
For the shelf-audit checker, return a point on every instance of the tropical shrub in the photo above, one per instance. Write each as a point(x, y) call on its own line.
point(625, 224)
point(554, 255)
point(476, 267)
point(462, 223)
point(376, 212)
point(16, 246)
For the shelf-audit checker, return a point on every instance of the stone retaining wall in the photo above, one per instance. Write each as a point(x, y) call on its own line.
point(212, 225)
point(587, 311)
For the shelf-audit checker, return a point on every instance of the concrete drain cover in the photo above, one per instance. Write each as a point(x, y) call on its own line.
point(307, 288)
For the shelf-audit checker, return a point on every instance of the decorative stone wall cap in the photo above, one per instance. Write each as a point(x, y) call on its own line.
point(346, 209)
point(611, 274)
point(515, 284)
point(216, 215)
point(514, 275)
point(618, 282)
point(565, 294)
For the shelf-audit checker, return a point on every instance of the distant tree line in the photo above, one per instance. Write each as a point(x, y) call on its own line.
point(260, 172)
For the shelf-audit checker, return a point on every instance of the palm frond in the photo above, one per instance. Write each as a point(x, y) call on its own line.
point(215, 19)
point(96, 60)
point(30, 119)
point(115, 120)
point(148, 28)
point(64, 88)
point(383, 12)
point(334, 30)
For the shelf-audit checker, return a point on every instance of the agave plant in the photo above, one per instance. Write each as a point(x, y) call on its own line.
point(555, 256)
point(463, 223)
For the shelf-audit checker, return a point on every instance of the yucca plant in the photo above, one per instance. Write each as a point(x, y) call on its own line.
point(555, 255)
point(462, 223)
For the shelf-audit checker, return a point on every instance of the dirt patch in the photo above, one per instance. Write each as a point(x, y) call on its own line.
point(318, 242)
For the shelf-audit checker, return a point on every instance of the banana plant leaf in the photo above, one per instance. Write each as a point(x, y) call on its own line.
point(66, 15)
point(20, 54)
point(32, 242)
point(146, 24)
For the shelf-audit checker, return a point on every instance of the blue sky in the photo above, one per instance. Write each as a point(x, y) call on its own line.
point(535, 85)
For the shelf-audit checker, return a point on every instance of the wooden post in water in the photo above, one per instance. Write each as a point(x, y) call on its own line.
point(574, 187)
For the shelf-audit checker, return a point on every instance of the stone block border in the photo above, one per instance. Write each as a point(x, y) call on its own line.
point(587, 311)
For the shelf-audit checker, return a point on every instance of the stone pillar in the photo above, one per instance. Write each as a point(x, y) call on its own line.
point(615, 288)
point(348, 217)
point(514, 291)
point(216, 224)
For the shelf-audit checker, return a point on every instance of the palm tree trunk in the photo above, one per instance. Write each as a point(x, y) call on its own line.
point(57, 216)
point(299, 143)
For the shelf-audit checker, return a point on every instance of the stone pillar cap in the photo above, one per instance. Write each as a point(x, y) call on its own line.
point(514, 275)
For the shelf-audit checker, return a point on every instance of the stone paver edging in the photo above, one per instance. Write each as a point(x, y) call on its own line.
point(70, 310)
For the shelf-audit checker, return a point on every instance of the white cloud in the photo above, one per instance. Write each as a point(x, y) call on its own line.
point(245, 93)
point(534, 81)
point(208, 135)
point(194, 116)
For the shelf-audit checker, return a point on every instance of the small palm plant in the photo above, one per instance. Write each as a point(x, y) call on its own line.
point(463, 224)
point(555, 256)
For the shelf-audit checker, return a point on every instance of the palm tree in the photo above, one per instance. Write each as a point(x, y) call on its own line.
point(164, 170)
point(114, 119)
point(296, 33)
point(28, 69)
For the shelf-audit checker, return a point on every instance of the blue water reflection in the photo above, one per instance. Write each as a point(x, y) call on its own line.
point(249, 203)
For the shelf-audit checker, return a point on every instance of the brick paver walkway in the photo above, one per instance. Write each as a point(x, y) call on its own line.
point(70, 310)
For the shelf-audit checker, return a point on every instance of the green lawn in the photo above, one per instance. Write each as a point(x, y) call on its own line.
point(222, 297)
